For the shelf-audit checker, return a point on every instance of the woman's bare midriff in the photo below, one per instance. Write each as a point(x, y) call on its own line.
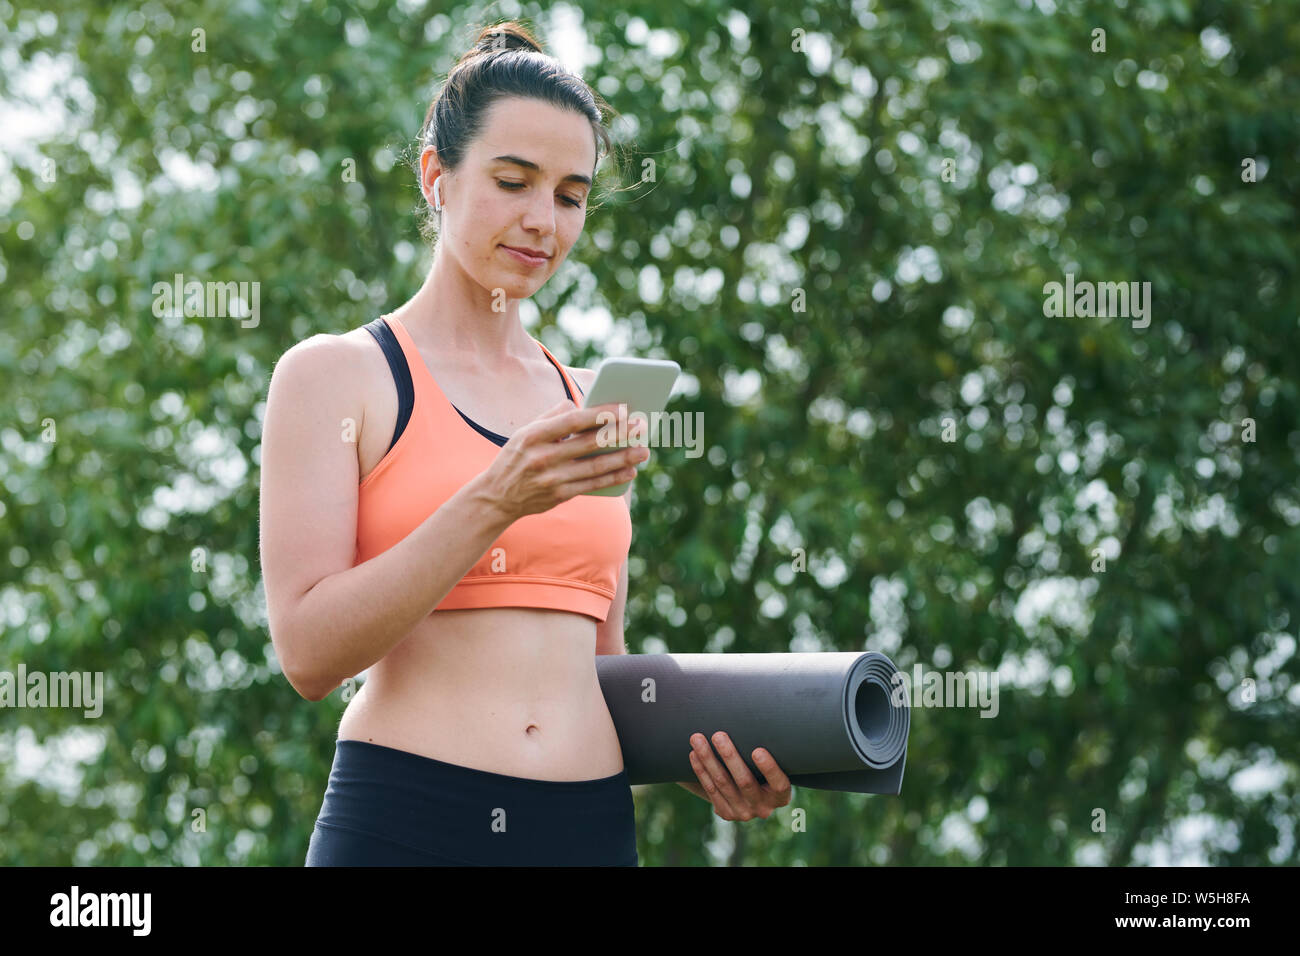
point(507, 690)
point(510, 690)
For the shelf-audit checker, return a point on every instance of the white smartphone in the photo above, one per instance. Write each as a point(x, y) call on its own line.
point(644, 385)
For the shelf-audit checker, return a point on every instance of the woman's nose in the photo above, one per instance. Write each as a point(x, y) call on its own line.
point(540, 214)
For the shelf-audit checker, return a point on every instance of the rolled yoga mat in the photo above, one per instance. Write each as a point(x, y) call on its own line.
point(829, 719)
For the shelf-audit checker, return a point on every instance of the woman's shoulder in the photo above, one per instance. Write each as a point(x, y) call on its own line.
point(324, 344)
point(349, 361)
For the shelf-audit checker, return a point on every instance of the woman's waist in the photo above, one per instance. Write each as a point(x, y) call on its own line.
point(504, 699)
point(544, 726)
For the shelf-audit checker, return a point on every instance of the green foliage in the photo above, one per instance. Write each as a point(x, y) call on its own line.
point(777, 169)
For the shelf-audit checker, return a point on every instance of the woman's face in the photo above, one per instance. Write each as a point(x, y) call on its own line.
point(536, 198)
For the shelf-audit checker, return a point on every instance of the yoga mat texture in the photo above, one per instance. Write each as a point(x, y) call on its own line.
point(828, 719)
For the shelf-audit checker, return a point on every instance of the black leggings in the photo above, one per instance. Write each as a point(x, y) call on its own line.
point(387, 807)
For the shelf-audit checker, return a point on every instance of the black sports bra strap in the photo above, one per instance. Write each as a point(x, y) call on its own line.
point(401, 373)
point(563, 381)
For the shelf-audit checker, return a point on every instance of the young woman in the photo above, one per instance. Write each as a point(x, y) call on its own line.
point(457, 558)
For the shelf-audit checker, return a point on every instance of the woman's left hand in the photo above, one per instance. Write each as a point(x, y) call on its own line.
point(731, 788)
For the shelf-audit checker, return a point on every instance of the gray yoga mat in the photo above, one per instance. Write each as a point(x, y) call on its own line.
point(828, 719)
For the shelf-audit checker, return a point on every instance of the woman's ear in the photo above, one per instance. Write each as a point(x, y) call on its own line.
point(430, 172)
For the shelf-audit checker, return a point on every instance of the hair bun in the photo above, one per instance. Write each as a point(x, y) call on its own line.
point(506, 36)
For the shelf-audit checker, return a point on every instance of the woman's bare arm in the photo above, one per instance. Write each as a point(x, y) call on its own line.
point(329, 620)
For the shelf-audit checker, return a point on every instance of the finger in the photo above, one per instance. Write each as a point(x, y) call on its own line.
point(610, 415)
point(594, 439)
point(751, 794)
point(617, 465)
point(582, 485)
point(720, 774)
point(777, 781)
point(628, 431)
point(569, 420)
point(711, 792)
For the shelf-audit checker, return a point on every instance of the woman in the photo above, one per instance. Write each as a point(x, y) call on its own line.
point(480, 735)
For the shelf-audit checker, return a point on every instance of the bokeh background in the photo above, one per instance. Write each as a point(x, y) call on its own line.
point(839, 217)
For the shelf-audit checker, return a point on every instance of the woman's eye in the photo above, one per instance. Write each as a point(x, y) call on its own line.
point(507, 184)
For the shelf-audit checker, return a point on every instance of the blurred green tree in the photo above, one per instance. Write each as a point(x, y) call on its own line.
point(845, 220)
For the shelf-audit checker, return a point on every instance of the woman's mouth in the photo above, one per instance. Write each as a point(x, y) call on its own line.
point(525, 258)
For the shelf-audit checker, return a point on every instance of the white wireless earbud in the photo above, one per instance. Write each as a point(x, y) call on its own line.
point(437, 194)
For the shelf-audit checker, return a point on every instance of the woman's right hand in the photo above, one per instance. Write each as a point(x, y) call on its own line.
point(538, 469)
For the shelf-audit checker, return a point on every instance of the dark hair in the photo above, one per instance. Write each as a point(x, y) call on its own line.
point(505, 60)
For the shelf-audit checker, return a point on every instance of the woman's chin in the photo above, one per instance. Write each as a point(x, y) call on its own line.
point(515, 287)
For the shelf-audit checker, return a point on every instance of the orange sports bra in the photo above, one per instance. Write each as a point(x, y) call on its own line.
point(565, 559)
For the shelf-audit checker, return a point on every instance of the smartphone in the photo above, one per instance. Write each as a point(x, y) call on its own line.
point(644, 385)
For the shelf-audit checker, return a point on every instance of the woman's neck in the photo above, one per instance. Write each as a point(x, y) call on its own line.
point(455, 311)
